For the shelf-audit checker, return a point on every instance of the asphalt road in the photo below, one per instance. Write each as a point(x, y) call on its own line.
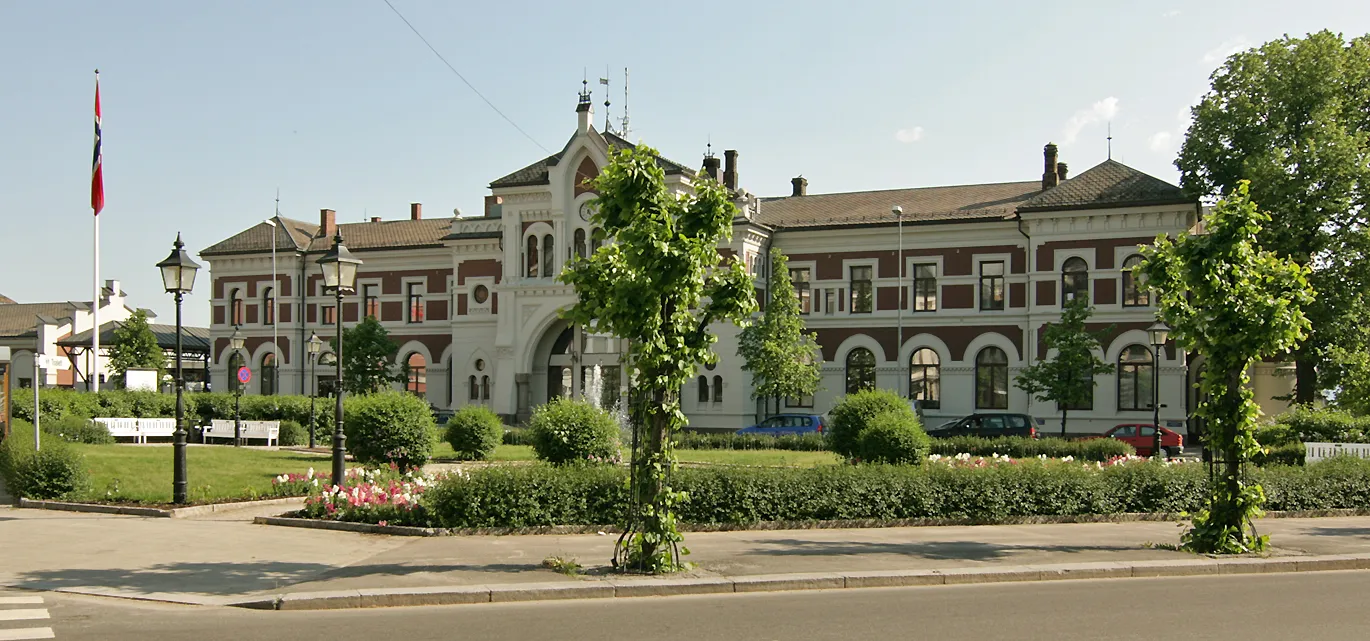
point(1307, 607)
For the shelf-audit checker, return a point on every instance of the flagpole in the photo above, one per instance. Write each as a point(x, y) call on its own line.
point(93, 376)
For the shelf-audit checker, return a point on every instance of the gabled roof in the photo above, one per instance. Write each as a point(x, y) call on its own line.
point(1108, 184)
point(21, 319)
point(538, 173)
point(995, 201)
point(295, 235)
point(6, 300)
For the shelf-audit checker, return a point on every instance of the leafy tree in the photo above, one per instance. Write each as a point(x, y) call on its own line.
point(1235, 304)
point(1068, 377)
point(135, 347)
point(783, 359)
point(1293, 117)
point(659, 285)
point(368, 358)
point(1353, 390)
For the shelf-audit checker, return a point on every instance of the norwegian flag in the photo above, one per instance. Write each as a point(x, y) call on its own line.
point(97, 178)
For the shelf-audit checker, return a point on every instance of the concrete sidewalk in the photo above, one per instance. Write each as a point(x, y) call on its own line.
point(214, 561)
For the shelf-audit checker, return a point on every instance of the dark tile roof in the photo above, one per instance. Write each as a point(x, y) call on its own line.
point(292, 235)
point(1107, 184)
point(195, 339)
point(21, 319)
point(538, 172)
point(995, 201)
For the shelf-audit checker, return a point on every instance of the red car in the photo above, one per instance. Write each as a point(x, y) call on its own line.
point(1142, 437)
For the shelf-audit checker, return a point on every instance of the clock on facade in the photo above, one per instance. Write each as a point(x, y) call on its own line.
point(585, 212)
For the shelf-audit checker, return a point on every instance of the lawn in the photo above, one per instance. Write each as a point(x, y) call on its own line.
point(142, 473)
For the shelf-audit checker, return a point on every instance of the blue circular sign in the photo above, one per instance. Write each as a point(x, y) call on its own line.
point(244, 375)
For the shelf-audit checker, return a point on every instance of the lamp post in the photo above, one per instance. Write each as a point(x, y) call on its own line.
point(899, 346)
point(1158, 332)
point(235, 343)
point(178, 277)
point(315, 345)
point(339, 274)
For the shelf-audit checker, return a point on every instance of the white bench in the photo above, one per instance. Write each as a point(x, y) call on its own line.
point(156, 428)
point(1314, 452)
point(121, 427)
point(270, 431)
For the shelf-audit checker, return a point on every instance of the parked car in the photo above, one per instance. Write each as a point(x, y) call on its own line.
point(787, 424)
point(988, 425)
point(1142, 437)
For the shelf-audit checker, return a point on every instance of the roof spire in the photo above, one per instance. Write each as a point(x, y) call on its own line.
point(584, 90)
point(1110, 140)
point(604, 80)
point(278, 203)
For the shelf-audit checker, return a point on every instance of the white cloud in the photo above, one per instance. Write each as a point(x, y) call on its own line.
point(912, 134)
point(1227, 48)
point(1161, 141)
point(1101, 111)
point(1171, 14)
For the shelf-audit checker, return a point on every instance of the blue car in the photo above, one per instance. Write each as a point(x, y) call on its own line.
point(787, 424)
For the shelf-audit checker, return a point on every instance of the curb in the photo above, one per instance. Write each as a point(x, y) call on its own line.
point(403, 530)
point(155, 512)
point(628, 587)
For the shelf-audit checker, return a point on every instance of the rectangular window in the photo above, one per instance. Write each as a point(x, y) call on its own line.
point(992, 285)
point(862, 294)
point(415, 303)
point(802, 401)
point(925, 287)
point(330, 315)
point(829, 301)
point(371, 304)
point(799, 278)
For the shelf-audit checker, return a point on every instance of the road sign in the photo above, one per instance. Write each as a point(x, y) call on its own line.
point(244, 375)
point(53, 362)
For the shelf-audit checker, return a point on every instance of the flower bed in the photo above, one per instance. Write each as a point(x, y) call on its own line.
point(383, 496)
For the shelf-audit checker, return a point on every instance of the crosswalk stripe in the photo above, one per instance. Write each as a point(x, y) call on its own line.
point(28, 633)
point(24, 615)
point(20, 600)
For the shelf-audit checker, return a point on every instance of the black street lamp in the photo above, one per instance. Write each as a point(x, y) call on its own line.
point(340, 275)
point(315, 346)
point(1158, 332)
point(178, 277)
point(235, 343)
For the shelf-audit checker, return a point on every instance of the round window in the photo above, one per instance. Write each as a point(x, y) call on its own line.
point(480, 365)
point(481, 294)
point(710, 366)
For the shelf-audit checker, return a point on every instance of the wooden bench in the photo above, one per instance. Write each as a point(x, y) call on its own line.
point(270, 431)
point(121, 427)
point(1314, 452)
point(155, 428)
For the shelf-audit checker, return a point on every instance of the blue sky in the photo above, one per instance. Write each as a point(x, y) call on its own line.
point(210, 107)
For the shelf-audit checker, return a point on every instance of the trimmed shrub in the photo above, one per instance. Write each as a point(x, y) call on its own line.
point(1305, 424)
point(572, 430)
point(1286, 454)
point(855, 411)
point(1099, 449)
point(474, 432)
point(57, 471)
point(75, 429)
point(293, 434)
point(518, 436)
point(893, 438)
point(389, 427)
point(530, 495)
point(812, 442)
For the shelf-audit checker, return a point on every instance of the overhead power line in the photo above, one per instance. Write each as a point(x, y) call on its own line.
point(463, 78)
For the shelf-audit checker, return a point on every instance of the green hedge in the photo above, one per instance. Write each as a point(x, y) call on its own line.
point(1100, 449)
point(1322, 425)
point(812, 442)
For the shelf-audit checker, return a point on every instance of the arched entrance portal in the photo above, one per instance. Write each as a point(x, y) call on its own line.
point(571, 360)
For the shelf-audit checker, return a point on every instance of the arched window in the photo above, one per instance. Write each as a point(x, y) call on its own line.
point(235, 361)
point(269, 306)
point(485, 388)
point(417, 368)
point(451, 381)
point(1074, 279)
point(1134, 378)
point(1135, 293)
point(703, 389)
point(595, 239)
point(580, 243)
point(860, 370)
point(269, 377)
point(991, 379)
point(532, 257)
point(235, 307)
point(718, 389)
point(925, 378)
point(549, 255)
point(474, 393)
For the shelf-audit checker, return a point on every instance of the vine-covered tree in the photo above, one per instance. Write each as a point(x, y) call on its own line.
point(1234, 304)
point(659, 285)
point(784, 360)
point(1293, 117)
point(1067, 378)
point(368, 358)
point(135, 347)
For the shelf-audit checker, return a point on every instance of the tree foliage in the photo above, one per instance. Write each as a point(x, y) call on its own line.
point(368, 358)
point(784, 360)
point(659, 285)
point(1234, 304)
point(1067, 378)
point(135, 347)
point(1293, 117)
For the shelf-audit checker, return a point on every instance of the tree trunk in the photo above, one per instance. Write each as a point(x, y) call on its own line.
point(1306, 379)
point(1063, 422)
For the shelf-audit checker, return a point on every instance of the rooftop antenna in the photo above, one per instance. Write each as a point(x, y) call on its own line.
point(278, 202)
point(625, 128)
point(604, 80)
point(1110, 140)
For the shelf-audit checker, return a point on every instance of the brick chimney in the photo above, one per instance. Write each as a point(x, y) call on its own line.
point(801, 186)
point(711, 166)
point(1061, 171)
point(492, 206)
point(1049, 177)
point(730, 169)
point(375, 219)
point(328, 222)
point(415, 211)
